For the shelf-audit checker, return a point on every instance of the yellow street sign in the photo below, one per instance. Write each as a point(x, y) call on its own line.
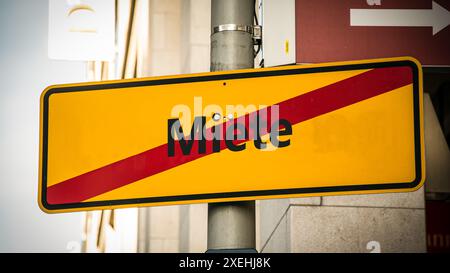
point(309, 130)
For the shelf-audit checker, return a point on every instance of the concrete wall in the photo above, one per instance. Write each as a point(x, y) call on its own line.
point(390, 222)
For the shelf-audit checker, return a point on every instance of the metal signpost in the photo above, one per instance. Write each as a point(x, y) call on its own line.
point(232, 225)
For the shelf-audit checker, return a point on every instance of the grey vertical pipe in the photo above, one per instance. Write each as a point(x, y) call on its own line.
point(231, 225)
point(231, 49)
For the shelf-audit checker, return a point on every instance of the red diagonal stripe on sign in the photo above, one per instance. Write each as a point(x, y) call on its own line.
point(301, 108)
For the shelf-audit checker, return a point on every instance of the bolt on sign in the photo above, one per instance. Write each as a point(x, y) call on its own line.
point(312, 130)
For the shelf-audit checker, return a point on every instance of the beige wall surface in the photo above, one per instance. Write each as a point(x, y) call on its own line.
point(359, 223)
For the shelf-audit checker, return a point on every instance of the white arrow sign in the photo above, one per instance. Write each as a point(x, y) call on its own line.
point(438, 17)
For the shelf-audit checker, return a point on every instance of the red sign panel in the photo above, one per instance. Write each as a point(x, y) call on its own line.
point(330, 30)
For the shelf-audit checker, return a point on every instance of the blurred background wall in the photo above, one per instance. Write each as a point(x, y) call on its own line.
point(25, 70)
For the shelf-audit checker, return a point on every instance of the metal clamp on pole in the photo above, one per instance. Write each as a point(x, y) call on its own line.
point(255, 31)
